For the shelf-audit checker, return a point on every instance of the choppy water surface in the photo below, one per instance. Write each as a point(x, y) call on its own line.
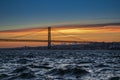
point(59, 65)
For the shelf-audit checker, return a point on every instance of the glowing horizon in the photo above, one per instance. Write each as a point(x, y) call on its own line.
point(109, 33)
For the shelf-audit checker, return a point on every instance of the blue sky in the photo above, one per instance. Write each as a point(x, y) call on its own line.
point(18, 14)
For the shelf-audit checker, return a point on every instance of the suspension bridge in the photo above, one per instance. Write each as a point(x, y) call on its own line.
point(49, 40)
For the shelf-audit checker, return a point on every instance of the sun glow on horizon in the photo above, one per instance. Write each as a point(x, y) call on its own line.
point(106, 34)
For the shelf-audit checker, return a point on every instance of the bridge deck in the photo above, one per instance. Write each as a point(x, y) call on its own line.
point(27, 40)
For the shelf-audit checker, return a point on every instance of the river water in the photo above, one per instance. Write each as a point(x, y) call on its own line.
point(59, 65)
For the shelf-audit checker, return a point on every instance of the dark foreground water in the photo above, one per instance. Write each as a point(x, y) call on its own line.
point(59, 65)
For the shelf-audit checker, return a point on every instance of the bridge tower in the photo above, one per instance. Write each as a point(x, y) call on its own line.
point(49, 37)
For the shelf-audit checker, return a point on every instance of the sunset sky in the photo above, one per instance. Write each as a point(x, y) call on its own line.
point(80, 20)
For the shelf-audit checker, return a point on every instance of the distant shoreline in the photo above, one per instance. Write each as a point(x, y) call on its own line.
point(89, 46)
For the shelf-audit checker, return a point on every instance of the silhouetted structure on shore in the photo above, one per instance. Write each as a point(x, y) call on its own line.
point(89, 46)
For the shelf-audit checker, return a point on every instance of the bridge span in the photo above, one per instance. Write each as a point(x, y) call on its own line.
point(48, 40)
point(28, 40)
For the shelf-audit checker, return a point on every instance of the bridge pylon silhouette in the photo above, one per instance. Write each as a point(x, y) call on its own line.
point(49, 37)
